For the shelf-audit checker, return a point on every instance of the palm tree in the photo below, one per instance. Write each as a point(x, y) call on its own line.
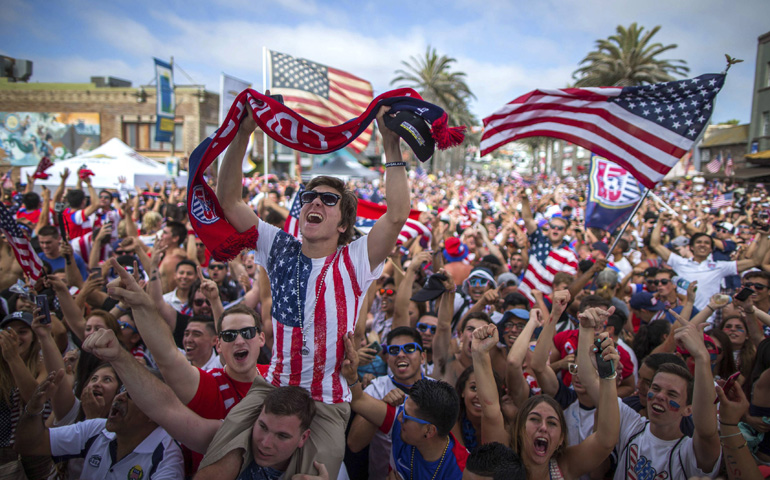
point(432, 77)
point(627, 59)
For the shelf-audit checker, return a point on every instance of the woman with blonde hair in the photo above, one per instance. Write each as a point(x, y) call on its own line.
point(151, 224)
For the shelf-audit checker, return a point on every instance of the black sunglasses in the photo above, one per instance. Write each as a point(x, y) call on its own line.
point(230, 335)
point(755, 286)
point(217, 266)
point(424, 327)
point(198, 302)
point(328, 198)
point(558, 228)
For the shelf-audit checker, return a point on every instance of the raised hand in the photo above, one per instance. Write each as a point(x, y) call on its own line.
point(395, 397)
point(9, 343)
point(93, 406)
point(126, 290)
point(691, 338)
point(43, 392)
point(484, 338)
point(418, 260)
point(349, 368)
point(103, 344)
point(560, 301)
point(209, 287)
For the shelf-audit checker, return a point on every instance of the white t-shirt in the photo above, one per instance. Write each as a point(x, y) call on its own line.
point(157, 457)
point(709, 274)
point(644, 456)
point(214, 362)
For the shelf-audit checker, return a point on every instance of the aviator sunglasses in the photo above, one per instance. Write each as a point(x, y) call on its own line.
point(328, 198)
point(230, 335)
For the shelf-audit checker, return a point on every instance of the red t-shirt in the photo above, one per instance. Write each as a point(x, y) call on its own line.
point(566, 342)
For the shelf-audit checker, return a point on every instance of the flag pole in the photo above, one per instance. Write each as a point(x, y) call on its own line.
point(628, 222)
point(264, 89)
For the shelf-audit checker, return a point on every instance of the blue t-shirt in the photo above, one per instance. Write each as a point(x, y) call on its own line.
point(60, 263)
point(256, 472)
point(449, 467)
point(733, 281)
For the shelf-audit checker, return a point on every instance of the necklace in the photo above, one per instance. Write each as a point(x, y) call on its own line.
point(441, 462)
point(319, 287)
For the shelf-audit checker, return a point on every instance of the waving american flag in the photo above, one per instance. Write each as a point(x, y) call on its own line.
point(25, 255)
point(644, 129)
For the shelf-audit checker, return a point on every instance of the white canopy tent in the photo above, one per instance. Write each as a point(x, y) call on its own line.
point(108, 162)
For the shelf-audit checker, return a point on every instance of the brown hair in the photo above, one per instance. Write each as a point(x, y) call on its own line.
point(520, 425)
point(681, 372)
point(109, 320)
point(348, 204)
point(290, 401)
point(241, 308)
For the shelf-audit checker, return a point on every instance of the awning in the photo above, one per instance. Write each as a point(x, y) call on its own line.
point(749, 173)
point(763, 155)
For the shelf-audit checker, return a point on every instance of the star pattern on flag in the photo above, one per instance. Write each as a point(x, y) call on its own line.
point(282, 271)
point(540, 247)
point(301, 74)
point(682, 106)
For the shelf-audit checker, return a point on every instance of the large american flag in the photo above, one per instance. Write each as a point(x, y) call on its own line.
point(714, 165)
point(645, 129)
point(292, 221)
point(323, 95)
point(25, 255)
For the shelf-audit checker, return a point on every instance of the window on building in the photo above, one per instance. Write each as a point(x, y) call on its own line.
point(767, 75)
point(766, 124)
point(141, 136)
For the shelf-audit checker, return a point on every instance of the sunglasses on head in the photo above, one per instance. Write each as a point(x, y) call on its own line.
point(124, 325)
point(755, 286)
point(478, 282)
point(387, 291)
point(198, 302)
point(328, 198)
point(230, 335)
point(406, 348)
point(217, 266)
point(424, 327)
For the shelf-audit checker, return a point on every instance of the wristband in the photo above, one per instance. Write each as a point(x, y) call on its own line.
point(710, 307)
point(117, 305)
point(351, 385)
point(611, 377)
point(745, 442)
point(395, 164)
point(27, 412)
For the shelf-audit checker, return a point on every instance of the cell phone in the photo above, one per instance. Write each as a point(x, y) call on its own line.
point(96, 272)
point(278, 98)
point(606, 367)
point(744, 294)
point(729, 384)
point(42, 304)
point(375, 346)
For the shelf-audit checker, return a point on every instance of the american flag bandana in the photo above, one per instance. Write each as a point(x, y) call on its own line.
point(289, 128)
point(22, 249)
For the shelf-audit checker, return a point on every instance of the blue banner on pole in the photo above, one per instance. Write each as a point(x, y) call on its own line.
point(612, 194)
point(166, 103)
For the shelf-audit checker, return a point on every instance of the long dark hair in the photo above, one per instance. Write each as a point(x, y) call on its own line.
point(726, 367)
point(650, 336)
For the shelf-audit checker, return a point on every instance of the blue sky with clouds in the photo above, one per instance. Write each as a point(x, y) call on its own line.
point(507, 48)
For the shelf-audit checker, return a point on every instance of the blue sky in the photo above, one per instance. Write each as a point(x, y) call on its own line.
point(507, 48)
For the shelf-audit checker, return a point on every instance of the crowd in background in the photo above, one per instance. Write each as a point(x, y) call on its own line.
point(502, 300)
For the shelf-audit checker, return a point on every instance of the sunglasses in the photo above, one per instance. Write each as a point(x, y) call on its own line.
point(558, 228)
point(409, 417)
point(230, 335)
point(124, 325)
point(514, 326)
point(123, 390)
point(662, 281)
point(407, 348)
point(217, 266)
point(387, 291)
point(328, 198)
point(755, 286)
point(198, 302)
point(478, 282)
point(424, 327)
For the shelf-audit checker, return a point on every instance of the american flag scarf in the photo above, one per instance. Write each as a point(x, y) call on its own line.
point(289, 128)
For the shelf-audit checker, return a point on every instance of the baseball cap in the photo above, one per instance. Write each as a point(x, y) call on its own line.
point(17, 316)
point(602, 247)
point(506, 277)
point(433, 288)
point(414, 130)
point(646, 301)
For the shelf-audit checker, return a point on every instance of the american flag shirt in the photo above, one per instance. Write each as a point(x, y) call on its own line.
point(328, 306)
point(545, 262)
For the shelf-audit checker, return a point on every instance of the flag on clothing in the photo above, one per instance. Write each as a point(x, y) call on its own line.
point(323, 95)
point(714, 165)
point(612, 194)
point(644, 129)
point(25, 255)
point(722, 200)
point(729, 165)
point(292, 221)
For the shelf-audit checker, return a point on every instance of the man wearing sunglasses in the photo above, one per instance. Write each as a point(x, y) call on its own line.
point(548, 253)
point(404, 356)
point(318, 284)
point(702, 266)
point(420, 429)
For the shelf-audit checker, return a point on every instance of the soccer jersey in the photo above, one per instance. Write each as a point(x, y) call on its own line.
point(408, 461)
point(157, 457)
point(315, 303)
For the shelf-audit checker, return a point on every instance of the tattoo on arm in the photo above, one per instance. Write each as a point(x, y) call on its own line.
point(154, 275)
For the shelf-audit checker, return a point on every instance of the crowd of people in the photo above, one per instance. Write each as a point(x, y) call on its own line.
point(504, 341)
